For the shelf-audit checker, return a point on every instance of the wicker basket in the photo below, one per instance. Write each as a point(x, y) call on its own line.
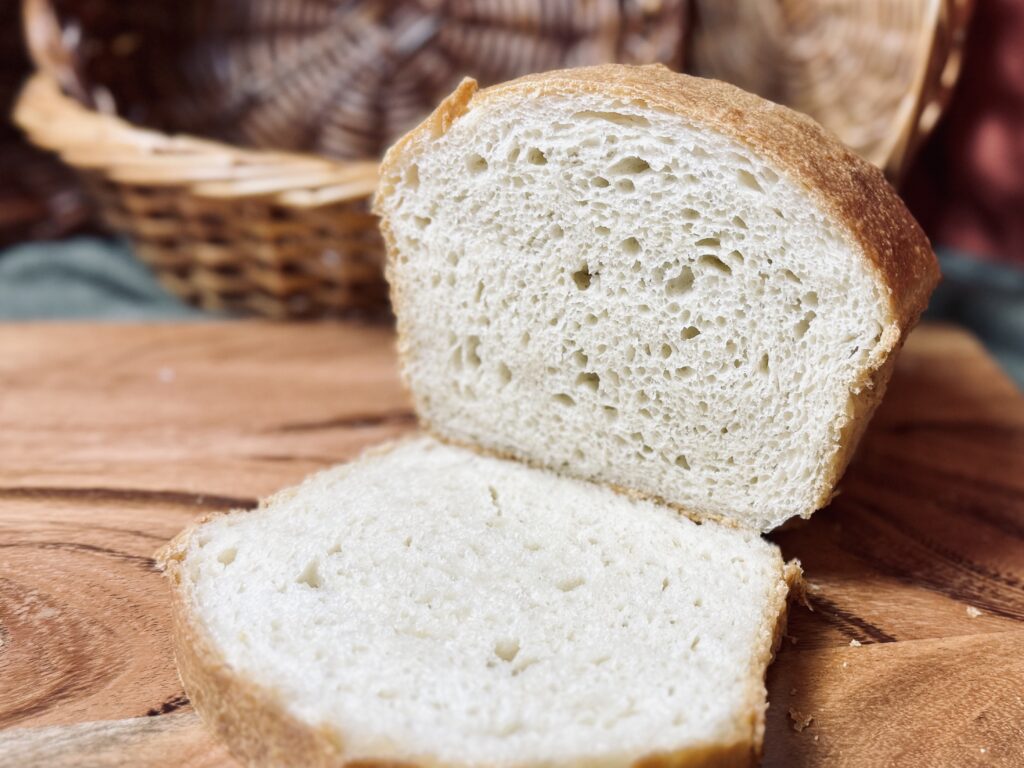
point(227, 229)
point(878, 73)
point(283, 235)
point(341, 78)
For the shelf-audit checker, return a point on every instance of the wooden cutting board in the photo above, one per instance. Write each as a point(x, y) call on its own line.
point(911, 652)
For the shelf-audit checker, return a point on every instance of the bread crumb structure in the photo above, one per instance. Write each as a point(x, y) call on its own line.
point(429, 605)
point(622, 289)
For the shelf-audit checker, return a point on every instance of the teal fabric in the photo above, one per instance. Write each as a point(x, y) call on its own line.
point(86, 278)
point(91, 278)
point(988, 300)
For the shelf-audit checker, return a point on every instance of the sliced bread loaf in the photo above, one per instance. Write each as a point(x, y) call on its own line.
point(429, 606)
point(651, 280)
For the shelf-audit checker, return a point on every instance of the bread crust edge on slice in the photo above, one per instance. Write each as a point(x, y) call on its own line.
point(258, 730)
point(872, 217)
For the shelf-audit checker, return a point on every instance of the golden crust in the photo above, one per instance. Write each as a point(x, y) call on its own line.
point(259, 731)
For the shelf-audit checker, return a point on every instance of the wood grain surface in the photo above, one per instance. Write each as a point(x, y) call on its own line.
point(911, 652)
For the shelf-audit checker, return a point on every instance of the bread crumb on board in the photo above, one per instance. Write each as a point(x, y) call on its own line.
point(855, 643)
point(800, 720)
point(973, 612)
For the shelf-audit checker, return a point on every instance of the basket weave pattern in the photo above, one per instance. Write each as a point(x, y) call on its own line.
point(342, 78)
point(878, 73)
point(285, 236)
point(257, 230)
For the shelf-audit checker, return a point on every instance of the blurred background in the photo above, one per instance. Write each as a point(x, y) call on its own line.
point(187, 159)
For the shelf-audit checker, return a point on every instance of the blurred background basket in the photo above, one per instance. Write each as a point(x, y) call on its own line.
point(296, 100)
point(878, 73)
point(257, 230)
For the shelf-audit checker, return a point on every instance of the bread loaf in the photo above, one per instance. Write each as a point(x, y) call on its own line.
point(655, 281)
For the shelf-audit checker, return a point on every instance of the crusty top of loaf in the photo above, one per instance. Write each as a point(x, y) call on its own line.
point(870, 213)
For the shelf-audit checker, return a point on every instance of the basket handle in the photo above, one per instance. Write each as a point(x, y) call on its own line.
point(52, 51)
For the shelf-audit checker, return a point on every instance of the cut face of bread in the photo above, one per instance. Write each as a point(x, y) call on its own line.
point(654, 281)
point(431, 606)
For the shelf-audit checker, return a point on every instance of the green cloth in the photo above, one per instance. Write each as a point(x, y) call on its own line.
point(90, 278)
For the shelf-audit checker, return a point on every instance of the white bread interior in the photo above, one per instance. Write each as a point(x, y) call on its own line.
point(432, 606)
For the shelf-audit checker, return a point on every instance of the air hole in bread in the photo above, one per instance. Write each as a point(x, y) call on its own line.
point(618, 118)
point(476, 163)
point(310, 575)
point(227, 556)
point(681, 283)
point(631, 245)
point(689, 332)
point(713, 262)
point(506, 649)
point(504, 374)
point(625, 185)
point(535, 156)
point(472, 351)
point(749, 180)
point(589, 380)
point(708, 242)
point(563, 399)
point(681, 461)
point(569, 584)
point(630, 165)
point(582, 277)
point(804, 324)
point(600, 182)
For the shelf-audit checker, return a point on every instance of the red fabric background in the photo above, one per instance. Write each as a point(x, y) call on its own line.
point(967, 186)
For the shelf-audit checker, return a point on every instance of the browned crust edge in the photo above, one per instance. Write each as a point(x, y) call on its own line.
point(257, 729)
point(873, 218)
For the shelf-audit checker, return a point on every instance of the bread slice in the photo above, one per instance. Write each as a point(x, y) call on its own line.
point(430, 606)
point(651, 280)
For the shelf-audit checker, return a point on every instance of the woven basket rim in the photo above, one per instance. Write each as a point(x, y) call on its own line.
point(93, 142)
